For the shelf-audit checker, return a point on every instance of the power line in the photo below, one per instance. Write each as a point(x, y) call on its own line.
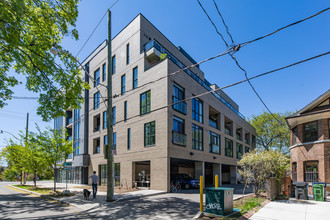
point(96, 27)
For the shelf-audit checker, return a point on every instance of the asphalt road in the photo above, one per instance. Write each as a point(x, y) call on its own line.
point(18, 205)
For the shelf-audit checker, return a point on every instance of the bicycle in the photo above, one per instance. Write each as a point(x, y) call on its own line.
point(175, 187)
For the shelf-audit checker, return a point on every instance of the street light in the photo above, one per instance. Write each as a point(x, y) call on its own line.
point(2, 131)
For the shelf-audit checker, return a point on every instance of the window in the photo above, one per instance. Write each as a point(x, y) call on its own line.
point(247, 138)
point(125, 110)
point(294, 135)
point(214, 143)
point(149, 134)
point(310, 131)
point(197, 137)
point(247, 149)
point(123, 84)
point(294, 171)
point(239, 151)
point(311, 171)
point(97, 123)
point(76, 130)
point(114, 140)
point(97, 100)
point(178, 95)
point(127, 54)
point(213, 123)
point(228, 147)
point(145, 102)
point(179, 136)
point(96, 146)
point(104, 119)
point(105, 145)
point(128, 139)
point(113, 64)
point(228, 126)
point(253, 142)
point(104, 72)
point(197, 110)
point(113, 115)
point(239, 134)
point(135, 78)
point(103, 174)
point(97, 77)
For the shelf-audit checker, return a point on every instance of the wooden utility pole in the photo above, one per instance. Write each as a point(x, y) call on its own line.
point(110, 180)
point(26, 142)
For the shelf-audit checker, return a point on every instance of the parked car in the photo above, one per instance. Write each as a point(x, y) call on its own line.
point(185, 181)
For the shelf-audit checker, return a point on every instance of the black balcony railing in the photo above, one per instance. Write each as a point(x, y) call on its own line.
point(311, 176)
point(179, 138)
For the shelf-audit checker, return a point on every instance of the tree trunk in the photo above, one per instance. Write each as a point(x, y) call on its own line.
point(35, 179)
point(55, 178)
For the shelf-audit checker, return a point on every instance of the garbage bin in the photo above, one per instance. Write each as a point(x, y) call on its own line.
point(301, 190)
point(319, 191)
point(219, 201)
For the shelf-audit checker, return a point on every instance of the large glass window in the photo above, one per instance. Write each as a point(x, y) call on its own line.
point(114, 115)
point(179, 136)
point(114, 141)
point(228, 147)
point(127, 54)
point(97, 100)
point(104, 72)
point(197, 110)
point(76, 132)
point(123, 84)
point(311, 171)
point(113, 64)
point(97, 77)
point(96, 146)
point(178, 95)
point(239, 151)
point(197, 137)
point(135, 78)
point(310, 131)
point(125, 110)
point(128, 139)
point(149, 134)
point(104, 119)
point(214, 143)
point(145, 102)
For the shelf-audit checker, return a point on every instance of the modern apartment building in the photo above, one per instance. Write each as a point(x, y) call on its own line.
point(310, 141)
point(156, 135)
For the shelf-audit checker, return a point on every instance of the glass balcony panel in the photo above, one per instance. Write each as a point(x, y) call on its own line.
point(179, 138)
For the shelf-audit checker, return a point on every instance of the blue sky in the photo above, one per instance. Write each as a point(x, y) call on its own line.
point(185, 24)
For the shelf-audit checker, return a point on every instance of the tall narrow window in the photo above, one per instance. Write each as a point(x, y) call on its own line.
point(104, 119)
point(97, 77)
point(114, 115)
point(178, 95)
point(214, 143)
point(197, 137)
point(123, 84)
point(179, 136)
point(113, 64)
point(197, 110)
point(96, 146)
point(128, 139)
point(228, 147)
point(127, 54)
point(104, 72)
point(253, 142)
point(97, 100)
point(239, 151)
point(114, 140)
point(135, 78)
point(105, 144)
point(310, 131)
point(294, 135)
point(149, 134)
point(145, 102)
point(125, 110)
point(76, 133)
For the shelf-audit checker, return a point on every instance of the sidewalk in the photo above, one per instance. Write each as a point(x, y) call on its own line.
point(294, 209)
point(86, 205)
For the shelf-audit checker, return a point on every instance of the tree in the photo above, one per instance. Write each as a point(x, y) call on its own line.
point(257, 166)
point(271, 133)
point(55, 147)
point(28, 30)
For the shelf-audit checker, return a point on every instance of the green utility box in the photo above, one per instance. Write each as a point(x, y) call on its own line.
point(219, 201)
point(318, 190)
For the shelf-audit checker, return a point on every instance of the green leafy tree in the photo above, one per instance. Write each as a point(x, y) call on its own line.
point(271, 133)
point(28, 30)
point(257, 166)
point(55, 147)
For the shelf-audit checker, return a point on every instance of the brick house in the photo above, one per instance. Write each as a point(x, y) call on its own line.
point(310, 141)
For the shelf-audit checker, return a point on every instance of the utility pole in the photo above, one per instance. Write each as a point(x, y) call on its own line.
point(26, 141)
point(110, 180)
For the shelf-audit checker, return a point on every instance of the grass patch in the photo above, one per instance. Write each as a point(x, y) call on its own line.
point(43, 191)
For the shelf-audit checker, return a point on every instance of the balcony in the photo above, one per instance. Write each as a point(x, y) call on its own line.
point(178, 138)
point(154, 50)
point(180, 107)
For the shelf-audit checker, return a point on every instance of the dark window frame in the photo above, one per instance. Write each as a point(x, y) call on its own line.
point(197, 106)
point(313, 133)
point(125, 111)
point(96, 100)
point(104, 72)
point(123, 85)
point(197, 142)
point(127, 54)
point(129, 139)
point(178, 95)
point(104, 115)
point(135, 77)
point(239, 151)
point(178, 132)
point(146, 108)
point(214, 136)
point(229, 150)
point(97, 78)
point(113, 64)
point(150, 139)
